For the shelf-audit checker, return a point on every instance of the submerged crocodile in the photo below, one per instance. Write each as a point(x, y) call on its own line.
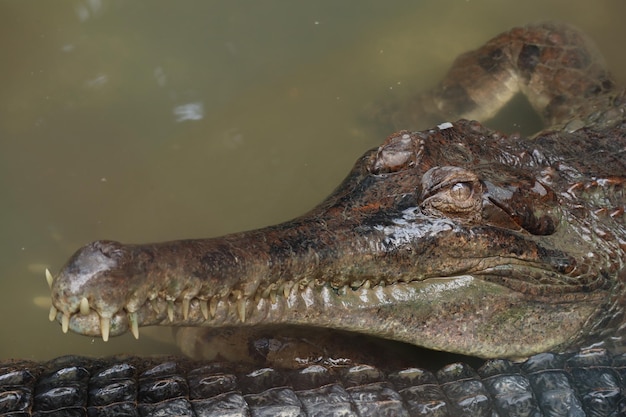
point(457, 238)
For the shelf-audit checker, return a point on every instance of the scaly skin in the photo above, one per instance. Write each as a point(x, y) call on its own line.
point(456, 238)
point(586, 384)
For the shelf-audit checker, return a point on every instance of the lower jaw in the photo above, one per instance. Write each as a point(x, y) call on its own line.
point(323, 307)
point(460, 314)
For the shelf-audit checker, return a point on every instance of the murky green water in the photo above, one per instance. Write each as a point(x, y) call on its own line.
point(140, 121)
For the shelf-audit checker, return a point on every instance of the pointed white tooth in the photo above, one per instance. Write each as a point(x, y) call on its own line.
point(65, 322)
point(134, 325)
point(287, 288)
point(185, 308)
point(170, 310)
point(204, 307)
point(367, 284)
point(84, 306)
point(263, 294)
point(49, 278)
point(270, 292)
point(213, 306)
point(241, 309)
point(105, 327)
point(53, 313)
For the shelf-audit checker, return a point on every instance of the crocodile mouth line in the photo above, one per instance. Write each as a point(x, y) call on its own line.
point(277, 300)
point(223, 311)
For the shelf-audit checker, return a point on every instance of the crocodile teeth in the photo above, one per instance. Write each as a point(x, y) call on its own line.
point(204, 307)
point(241, 309)
point(265, 293)
point(134, 325)
point(49, 278)
point(287, 288)
point(185, 308)
point(213, 306)
point(65, 322)
point(105, 327)
point(356, 285)
point(53, 313)
point(84, 306)
point(170, 310)
point(154, 306)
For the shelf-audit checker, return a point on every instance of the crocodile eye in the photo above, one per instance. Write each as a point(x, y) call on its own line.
point(451, 191)
point(461, 191)
point(458, 198)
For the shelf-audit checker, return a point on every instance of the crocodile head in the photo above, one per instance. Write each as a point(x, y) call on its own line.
point(455, 239)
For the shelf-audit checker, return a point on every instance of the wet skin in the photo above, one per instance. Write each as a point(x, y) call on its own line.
point(456, 238)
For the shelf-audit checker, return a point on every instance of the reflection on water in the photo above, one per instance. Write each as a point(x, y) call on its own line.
point(141, 121)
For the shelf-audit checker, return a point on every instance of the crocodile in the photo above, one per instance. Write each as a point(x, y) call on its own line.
point(585, 383)
point(458, 238)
